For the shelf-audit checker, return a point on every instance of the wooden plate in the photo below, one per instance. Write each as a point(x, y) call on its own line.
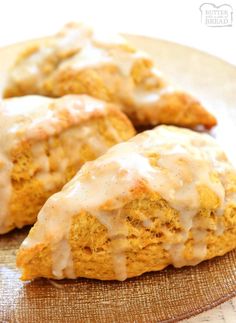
point(166, 296)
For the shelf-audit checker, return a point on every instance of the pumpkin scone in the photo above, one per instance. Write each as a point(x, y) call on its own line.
point(44, 142)
point(165, 197)
point(79, 60)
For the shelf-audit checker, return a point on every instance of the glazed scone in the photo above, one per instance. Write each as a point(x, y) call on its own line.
point(79, 60)
point(43, 143)
point(167, 196)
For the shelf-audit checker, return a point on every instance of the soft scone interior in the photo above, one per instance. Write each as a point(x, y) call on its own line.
point(44, 142)
point(81, 60)
point(166, 196)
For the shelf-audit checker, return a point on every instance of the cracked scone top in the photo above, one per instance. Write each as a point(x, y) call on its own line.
point(43, 142)
point(80, 60)
point(166, 196)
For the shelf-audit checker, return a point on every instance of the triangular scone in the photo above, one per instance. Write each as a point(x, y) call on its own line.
point(44, 142)
point(167, 196)
point(78, 60)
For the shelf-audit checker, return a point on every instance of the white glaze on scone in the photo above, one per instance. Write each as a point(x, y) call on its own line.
point(186, 161)
point(35, 118)
point(88, 48)
point(33, 67)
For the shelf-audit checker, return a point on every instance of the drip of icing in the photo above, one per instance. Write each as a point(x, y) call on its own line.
point(147, 223)
point(146, 97)
point(62, 257)
point(117, 232)
point(199, 245)
point(150, 97)
point(34, 118)
point(220, 228)
point(185, 160)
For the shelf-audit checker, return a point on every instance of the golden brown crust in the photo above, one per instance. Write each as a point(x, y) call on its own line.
point(58, 75)
point(167, 197)
point(28, 191)
point(177, 108)
point(174, 108)
point(144, 247)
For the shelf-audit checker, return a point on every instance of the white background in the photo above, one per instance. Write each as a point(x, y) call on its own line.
point(176, 20)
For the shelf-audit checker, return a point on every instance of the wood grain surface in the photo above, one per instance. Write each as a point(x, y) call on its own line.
point(166, 296)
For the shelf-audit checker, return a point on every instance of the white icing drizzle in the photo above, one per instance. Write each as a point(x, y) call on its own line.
point(34, 118)
point(220, 229)
point(43, 58)
point(63, 257)
point(185, 160)
point(13, 118)
point(30, 71)
point(71, 39)
point(98, 56)
point(89, 56)
point(84, 135)
point(150, 97)
point(90, 49)
point(117, 232)
point(99, 48)
point(147, 223)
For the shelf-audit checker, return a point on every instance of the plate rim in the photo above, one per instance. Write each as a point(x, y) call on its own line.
point(232, 294)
